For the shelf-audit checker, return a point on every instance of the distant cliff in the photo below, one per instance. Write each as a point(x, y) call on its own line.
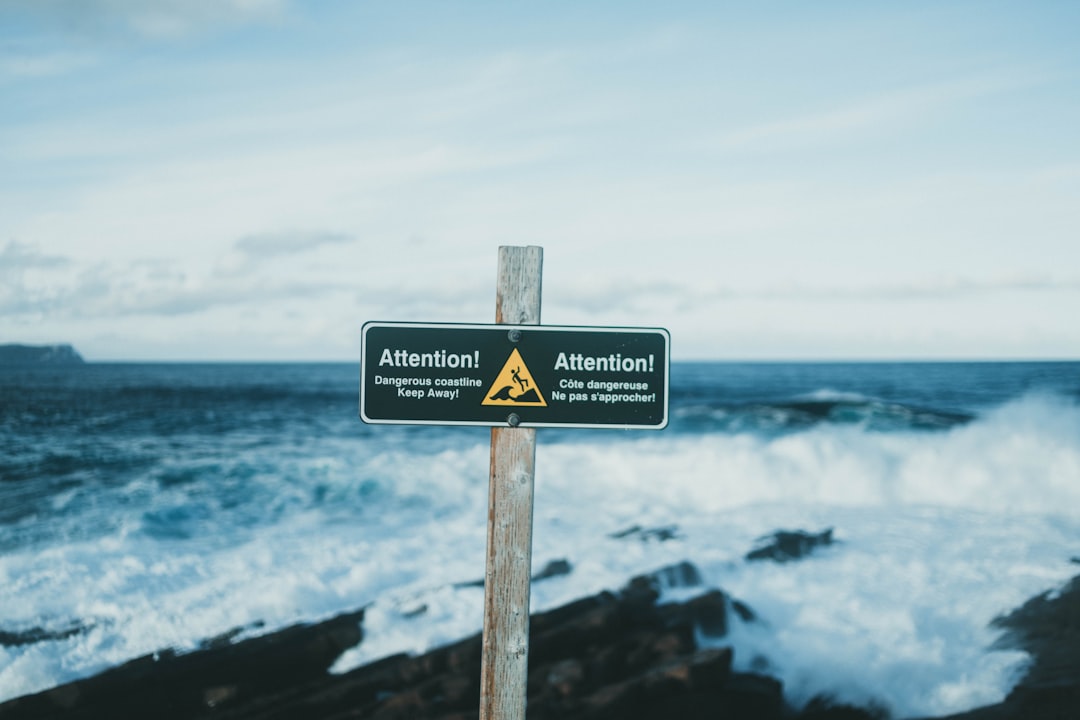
point(39, 355)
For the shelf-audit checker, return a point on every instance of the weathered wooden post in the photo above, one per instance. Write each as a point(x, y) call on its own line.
point(513, 376)
point(504, 663)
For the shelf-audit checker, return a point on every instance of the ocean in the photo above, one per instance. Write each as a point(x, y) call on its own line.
point(153, 506)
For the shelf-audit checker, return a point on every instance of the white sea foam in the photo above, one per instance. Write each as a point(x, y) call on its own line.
point(831, 395)
point(938, 533)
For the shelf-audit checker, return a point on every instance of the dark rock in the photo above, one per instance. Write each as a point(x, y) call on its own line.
point(750, 695)
point(745, 613)
point(564, 678)
point(554, 568)
point(680, 575)
point(606, 656)
point(31, 636)
point(787, 545)
point(827, 708)
point(659, 534)
point(642, 590)
point(610, 656)
point(39, 355)
point(1047, 627)
point(413, 611)
point(176, 685)
point(710, 614)
point(227, 637)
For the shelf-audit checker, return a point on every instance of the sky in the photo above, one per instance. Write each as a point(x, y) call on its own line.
point(255, 179)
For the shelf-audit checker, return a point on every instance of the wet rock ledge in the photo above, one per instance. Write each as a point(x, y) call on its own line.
point(1048, 627)
point(612, 655)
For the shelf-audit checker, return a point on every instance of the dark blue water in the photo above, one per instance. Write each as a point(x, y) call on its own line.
point(882, 396)
point(108, 423)
point(149, 505)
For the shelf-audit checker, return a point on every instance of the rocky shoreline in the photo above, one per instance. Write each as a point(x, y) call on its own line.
point(611, 655)
point(1048, 628)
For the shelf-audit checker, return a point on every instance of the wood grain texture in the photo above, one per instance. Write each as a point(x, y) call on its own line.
point(505, 650)
point(517, 297)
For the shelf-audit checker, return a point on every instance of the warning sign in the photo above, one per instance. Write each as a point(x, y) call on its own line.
point(519, 376)
point(514, 385)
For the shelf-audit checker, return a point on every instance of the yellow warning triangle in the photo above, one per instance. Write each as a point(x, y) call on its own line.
point(514, 385)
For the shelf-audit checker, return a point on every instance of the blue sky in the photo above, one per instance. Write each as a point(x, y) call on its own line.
point(254, 179)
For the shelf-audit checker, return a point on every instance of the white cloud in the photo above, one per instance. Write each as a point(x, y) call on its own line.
point(254, 250)
point(929, 288)
point(600, 297)
point(287, 243)
point(27, 280)
point(371, 171)
point(16, 257)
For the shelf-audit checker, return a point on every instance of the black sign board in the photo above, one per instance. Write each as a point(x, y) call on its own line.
point(517, 375)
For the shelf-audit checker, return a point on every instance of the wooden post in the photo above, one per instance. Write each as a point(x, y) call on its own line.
point(505, 654)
